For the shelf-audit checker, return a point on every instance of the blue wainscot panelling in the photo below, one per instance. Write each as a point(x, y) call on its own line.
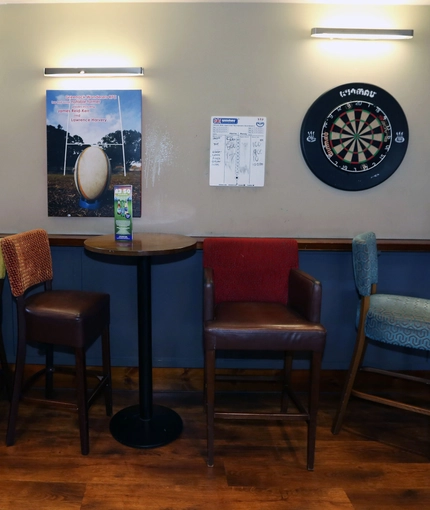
point(177, 306)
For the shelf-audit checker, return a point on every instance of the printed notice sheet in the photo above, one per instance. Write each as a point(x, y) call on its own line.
point(238, 151)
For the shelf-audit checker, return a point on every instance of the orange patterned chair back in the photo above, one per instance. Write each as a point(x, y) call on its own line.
point(27, 257)
point(2, 268)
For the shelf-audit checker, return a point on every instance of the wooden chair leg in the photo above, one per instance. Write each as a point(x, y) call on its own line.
point(6, 371)
point(314, 391)
point(49, 372)
point(107, 370)
point(286, 380)
point(205, 393)
point(82, 401)
point(359, 351)
point(210, 403)
point(16, 392)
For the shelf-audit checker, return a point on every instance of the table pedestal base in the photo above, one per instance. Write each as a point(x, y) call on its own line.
point(128, 428)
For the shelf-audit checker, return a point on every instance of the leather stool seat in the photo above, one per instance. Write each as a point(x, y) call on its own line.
point(249, 325)
point(66, 317)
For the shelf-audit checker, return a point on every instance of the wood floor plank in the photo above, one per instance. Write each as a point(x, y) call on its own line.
point(157, 471)
point(18, 495)
point(198, 498)
point(410, 499)
point(378, 461)
point(343, 475)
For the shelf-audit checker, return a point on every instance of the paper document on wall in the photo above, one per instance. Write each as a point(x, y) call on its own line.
point(238, 151)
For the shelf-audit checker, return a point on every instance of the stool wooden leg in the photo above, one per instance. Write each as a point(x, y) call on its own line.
point(210, 403)
point(314, 392)
point(81, 385)
point(359, 351)
point(286, 380)
point(16, 392)
point(357, 359)
point(6, 371)
point(107, 370)
point(49, 371)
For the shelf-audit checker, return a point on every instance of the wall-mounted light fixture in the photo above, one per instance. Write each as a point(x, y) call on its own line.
point(361, 33)
point(92, 71)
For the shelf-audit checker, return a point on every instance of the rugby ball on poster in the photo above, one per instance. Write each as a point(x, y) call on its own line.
point(92, 173)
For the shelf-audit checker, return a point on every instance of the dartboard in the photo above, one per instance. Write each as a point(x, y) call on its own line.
point(354, 136)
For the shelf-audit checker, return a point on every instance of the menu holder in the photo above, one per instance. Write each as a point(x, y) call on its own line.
point(123, 212)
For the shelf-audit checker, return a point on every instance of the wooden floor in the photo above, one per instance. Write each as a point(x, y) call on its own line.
point(380, 461)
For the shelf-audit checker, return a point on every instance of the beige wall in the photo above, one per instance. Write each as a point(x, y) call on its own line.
point(216, 59)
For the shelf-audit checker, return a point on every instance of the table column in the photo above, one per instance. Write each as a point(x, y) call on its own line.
point(145, 425)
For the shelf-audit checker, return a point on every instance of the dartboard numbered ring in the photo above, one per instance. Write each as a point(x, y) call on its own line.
point(354, 136)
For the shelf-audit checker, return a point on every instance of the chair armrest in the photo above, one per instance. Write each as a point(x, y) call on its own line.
point(208, 294)
point(304, 295)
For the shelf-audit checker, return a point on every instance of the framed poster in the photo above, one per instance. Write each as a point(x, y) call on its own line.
point(94, 142)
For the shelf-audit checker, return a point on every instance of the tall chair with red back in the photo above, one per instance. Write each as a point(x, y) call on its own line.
point(257, 299)
point(66, 318)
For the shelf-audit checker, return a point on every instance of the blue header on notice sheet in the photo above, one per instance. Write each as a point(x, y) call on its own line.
point(225, 120)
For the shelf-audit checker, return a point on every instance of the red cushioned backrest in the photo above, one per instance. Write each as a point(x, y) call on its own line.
point(250, 269)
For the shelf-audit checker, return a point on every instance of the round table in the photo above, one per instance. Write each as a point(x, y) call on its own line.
point(144, 425)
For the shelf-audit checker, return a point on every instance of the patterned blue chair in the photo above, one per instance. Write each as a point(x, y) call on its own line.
point(387, 319)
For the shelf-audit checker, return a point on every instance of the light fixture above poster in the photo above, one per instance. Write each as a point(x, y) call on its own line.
point(361, 33)
point(82, 72)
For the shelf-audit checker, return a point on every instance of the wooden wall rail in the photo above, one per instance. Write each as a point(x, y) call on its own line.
point(312, 244)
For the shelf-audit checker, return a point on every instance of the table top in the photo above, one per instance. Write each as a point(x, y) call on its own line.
point(142, 245)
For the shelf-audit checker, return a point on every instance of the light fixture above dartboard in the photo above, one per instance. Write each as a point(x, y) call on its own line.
point(354, 136)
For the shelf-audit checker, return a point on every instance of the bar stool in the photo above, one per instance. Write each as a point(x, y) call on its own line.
point(69, 318)
point(387, 320)
point(257, 299)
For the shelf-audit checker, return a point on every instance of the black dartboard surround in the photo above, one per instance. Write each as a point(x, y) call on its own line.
point(354, 136)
